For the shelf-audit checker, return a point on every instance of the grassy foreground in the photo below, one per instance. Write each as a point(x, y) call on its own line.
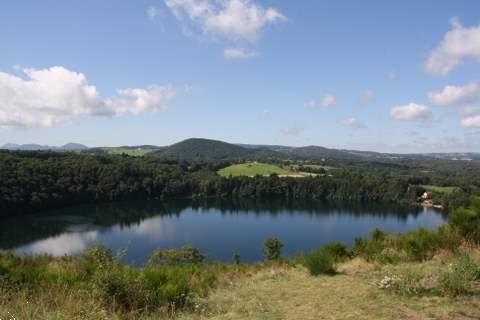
point(272, 290)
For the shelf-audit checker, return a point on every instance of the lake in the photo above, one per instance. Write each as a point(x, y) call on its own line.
point(218, 228)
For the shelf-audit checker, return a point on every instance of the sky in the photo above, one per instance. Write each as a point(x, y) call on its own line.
point(388, 76)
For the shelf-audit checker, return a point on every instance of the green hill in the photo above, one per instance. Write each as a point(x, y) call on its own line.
point(212, 149)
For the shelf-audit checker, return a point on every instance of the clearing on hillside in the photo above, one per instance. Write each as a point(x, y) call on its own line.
point(438, 189)
point(133, 152)
point(252, 169)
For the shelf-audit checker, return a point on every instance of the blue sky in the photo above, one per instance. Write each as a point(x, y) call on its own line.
point(375, 75)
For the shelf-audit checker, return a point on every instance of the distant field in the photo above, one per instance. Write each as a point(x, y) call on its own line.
point(439, 189)
point(134, 152)
point(252, 169)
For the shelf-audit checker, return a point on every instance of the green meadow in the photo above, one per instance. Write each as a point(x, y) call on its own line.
point(251, 169)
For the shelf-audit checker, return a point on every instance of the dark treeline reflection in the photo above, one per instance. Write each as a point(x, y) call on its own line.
point(17, 231)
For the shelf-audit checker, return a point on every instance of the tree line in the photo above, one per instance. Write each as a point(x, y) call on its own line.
point(32, 181)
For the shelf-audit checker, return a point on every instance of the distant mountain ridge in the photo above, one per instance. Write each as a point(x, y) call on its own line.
point(35, 147)
point(212, 149)
point(216, 149)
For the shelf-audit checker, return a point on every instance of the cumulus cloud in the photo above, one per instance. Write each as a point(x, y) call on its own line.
point(152, 13)
point(471, 122)
point(350, 123)
point(47, 97)
point(470, 117)
point(326, 102)
point(458, 44)
point(411, 112)
point(237, 54)
point(451, 95)
point(233, 19)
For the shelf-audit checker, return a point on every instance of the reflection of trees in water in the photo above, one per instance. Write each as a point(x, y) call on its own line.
point(26, 229)
point(310, 207)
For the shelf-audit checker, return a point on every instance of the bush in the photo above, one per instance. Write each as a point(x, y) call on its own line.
point(323, 260)
point(467, 221)
point(459, 279)
point(337, 250)
point(272, 248)
point(174, 257)
point(382, 247)
point(420, 245)
point(320, 262)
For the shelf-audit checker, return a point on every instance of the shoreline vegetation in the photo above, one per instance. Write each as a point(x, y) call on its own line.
point(37, 181)
point(434, 273)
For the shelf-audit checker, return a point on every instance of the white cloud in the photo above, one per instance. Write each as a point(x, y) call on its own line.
point(350, 123)
point(152, 13)
point(233, 19)
point(411, 112)
point(237, 54)
point(48, 97)
point(451, 95)
point(329, 101)
point(326, 102)
point(458, 44)
point(471, 122)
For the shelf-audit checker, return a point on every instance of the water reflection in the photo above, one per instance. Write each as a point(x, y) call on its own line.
point(218, 228)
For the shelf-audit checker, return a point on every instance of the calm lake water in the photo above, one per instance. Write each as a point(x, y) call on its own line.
point(218, 228)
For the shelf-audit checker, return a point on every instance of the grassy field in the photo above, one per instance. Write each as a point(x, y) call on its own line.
point(252, 169)
point(291, 293)
point(134, 152)
point(438, 189)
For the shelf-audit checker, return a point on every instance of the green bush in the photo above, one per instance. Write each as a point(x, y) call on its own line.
point(175, 257)
point(382, 247)
point(320, 262)
point(467, 221)
point(459, 279)
point(336, 249)
point(323, 260)
point(272, 248)
point(421, 244)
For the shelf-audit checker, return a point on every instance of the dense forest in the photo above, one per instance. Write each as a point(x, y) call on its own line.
point(37, 180)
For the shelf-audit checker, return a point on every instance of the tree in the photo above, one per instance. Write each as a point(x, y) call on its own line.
point(272, 248)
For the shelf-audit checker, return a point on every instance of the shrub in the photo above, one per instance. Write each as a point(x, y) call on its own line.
point(320, 262)
point(272, 248)
point(337, 250)
point(421, 244)
point(119, 289)
point(173, 257)
point(236, 258)
point(459, 279)
point(467, 221)
point(382, 248)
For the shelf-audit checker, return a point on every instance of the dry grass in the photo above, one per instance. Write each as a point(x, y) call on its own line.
point(290, 293)
point(268, 292)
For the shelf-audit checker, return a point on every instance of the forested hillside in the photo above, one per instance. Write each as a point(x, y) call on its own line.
point(31, 181)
